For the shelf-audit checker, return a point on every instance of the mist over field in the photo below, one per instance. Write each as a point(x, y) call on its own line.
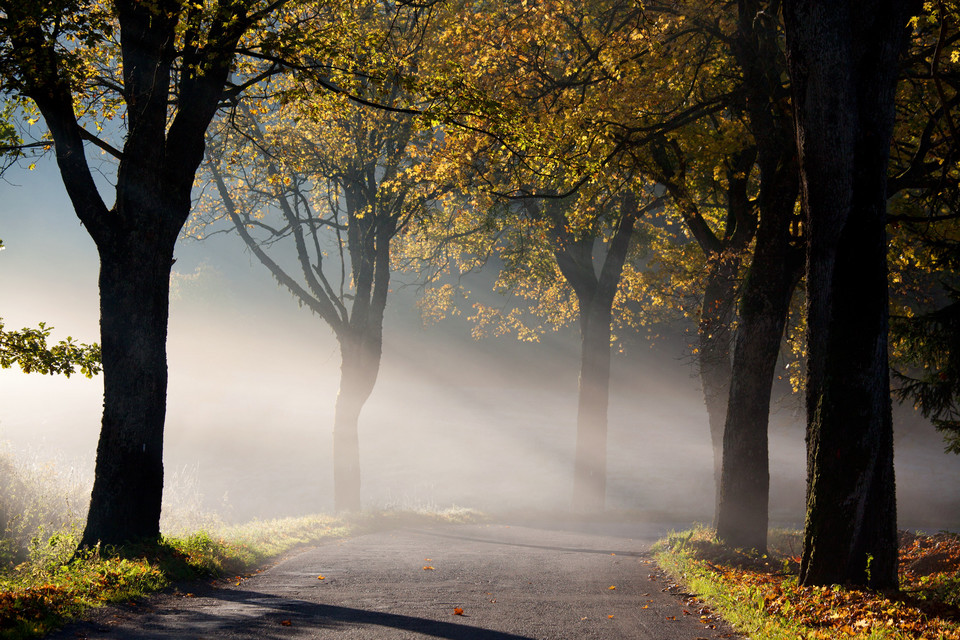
point(488, 424)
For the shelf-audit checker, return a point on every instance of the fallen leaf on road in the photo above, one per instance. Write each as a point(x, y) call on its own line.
point(457, 611)
point(286, 623)
point(321, 578)
point(610, 616)
point(671, 617)
point(428, 568)
point(646, 606)
point(428, 559)
point(612, 587)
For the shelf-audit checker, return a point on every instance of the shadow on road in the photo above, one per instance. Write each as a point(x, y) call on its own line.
point(302, 615)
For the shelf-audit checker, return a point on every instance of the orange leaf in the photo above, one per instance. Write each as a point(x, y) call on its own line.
point(612, 587)
point(610, 616)
point(321, 578)
point(457, 611)
point(428, 568)
point(286, 623)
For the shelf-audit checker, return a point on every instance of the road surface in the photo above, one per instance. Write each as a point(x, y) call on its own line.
point(463, 582)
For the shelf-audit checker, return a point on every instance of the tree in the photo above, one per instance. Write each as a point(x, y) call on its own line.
point(775, 270)
point(595, 286)
point(331, 183)
point(548, 156)
point(924, 190)
point(843, 70)
point(165, 68)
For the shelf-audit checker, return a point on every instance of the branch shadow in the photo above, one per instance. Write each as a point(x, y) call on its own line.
point(245, 613)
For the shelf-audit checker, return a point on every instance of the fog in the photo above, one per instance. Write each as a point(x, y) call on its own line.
point(452, 421)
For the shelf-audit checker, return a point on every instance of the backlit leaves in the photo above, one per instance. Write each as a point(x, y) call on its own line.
point(28, 350)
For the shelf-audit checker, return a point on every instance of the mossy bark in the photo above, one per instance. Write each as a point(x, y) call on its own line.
point(843, 67)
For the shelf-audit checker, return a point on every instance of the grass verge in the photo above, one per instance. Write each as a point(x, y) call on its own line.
point(55, 585)
point(759, 595)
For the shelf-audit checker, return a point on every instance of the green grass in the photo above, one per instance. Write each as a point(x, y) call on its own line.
point(759, 594)
point(54, 585)
point(44, 582)
point(680, 556)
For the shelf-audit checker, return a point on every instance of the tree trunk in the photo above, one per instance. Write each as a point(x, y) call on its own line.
point(775, 269)
point(358, 373)
point(128, 486)
point(715, 338)
point(590, 464)
point(361, 348)
point(595, 294)
point(745, 480)
point(843, 65)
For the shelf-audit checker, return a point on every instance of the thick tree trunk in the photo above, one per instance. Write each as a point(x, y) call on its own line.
point(745, 482)
point(590, 464)
point(128, 486)
point(843, 64)
point(774, 272)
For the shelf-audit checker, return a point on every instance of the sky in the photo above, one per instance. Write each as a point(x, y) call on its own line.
point(452, 421)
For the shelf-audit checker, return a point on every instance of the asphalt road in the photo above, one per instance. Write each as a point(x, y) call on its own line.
point(469, 582)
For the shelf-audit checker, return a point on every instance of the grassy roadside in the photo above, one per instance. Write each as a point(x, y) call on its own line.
point(760, 596)
point(40, 594)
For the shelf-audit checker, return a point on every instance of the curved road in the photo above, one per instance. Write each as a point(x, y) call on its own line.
point(464, 582)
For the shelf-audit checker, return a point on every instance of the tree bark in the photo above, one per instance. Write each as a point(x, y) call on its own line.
point(775, 269)
point(128, 484)
point(843, 67)
point(745, 481)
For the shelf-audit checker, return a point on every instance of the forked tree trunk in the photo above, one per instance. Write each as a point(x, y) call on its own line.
point(843, 67)
point(595, 295)
point(128, 485)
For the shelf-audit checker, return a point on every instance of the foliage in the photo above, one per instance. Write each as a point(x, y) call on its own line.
point(924, 248)
point(760, 594)
point(28, 349)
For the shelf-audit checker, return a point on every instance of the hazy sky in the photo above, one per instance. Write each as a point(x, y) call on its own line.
point(253, 381)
